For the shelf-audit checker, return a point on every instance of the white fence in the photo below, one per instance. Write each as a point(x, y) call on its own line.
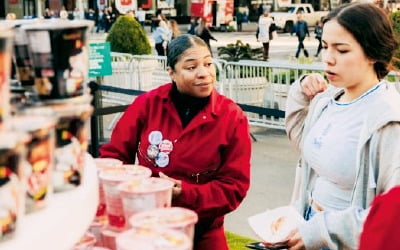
point(257, 83)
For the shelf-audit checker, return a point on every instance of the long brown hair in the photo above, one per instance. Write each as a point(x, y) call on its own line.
point(372, 29)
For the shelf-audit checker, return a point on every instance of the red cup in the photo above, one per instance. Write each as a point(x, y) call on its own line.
point(108, 238)
point(146, 194)
point(177, 218)
point(157, 239)
point(101, 164)
point(110, 179)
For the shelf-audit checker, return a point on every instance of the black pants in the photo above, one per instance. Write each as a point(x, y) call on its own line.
point(300, 47)
point(266, 50)
point(319, 46)
point(160, 49)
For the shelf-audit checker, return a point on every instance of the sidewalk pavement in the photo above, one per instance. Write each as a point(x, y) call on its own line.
point(273, 164)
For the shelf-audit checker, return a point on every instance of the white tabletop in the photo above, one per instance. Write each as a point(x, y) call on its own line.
point(63, 221)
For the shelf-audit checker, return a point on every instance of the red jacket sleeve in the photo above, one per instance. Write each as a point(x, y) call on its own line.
point(125, 136)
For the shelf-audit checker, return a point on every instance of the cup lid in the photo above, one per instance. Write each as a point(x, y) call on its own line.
point(30, 123)
point(125, 174)
point(10, 139)
point(148, 185)
point(58, 24)
point(168, 216)
point(161, 238)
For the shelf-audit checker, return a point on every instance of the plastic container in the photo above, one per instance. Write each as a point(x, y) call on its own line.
point(110, 179)
point(88, 241)
point(109, 237)
point(59, 53)
point(23, 62)
point(39, 158)
point(177, 218)
point(97, 226)
point(146, 194)
point(101, 164)
point(12, 151)
point(6, 36)
point(72, 129)
point(158, 239)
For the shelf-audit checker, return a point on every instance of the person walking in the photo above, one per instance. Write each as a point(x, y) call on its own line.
point(301, 30)
point(187, 132)
point(174, 29)
point(141, 16)
point(263, 34)
point(204, 33)
point(318, 36)
point(337, 182)
point(161, 36)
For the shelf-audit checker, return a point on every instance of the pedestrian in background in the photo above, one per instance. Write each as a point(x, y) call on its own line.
point(161, 37)
point(204, 33)
point(194, 22)
point(239, 19)
point(206, 135)
point(173, 25)
point(318, 36)
point(141, 16)
point(337, 182)
point(301, 31)
point(263, 34)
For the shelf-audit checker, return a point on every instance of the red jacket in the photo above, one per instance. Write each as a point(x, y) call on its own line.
point(381, 228)
point(211, 155)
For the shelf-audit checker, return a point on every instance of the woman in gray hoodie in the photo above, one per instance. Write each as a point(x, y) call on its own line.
point(347, 131)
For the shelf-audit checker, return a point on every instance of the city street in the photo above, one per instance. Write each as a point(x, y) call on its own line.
point(281, 49)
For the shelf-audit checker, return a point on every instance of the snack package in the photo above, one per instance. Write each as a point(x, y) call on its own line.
point(273, 226)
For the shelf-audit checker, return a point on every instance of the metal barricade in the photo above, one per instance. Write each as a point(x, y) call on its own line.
point(256, 83)
point(263, 84)
point(152, 71)
point(122, 77)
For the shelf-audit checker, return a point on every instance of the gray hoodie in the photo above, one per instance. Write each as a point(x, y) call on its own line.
point(378, 164)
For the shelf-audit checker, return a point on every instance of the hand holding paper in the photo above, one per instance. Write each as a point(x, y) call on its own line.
point(273, 226)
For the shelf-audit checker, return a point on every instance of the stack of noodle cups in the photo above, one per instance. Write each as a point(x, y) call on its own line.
point(43, 135)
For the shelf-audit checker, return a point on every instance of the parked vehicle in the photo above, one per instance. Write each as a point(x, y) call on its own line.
point(286, 17)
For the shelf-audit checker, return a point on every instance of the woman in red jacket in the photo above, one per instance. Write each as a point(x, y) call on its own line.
point(187, 132)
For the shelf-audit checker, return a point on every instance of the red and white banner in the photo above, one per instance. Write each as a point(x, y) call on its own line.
point(124, 6)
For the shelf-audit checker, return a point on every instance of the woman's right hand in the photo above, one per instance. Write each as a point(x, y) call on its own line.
point(313, 84)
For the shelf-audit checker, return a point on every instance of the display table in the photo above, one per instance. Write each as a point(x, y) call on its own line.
point(63, 221)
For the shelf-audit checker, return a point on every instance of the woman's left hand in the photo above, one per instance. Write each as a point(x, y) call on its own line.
point(294, 241)
point(177, 189)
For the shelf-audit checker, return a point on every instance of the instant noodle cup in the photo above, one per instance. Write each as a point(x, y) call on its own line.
point(60, 57)
point(39, 158)
point(71, 130)
point(104, 163)
point(23, 63)
point(110, 179)
point(155, 239)
point(6, 36)
point(87, 241)
point(145, 194)
point(96, 227)
point(177, 218)
point(109, 237)
point(12, 150)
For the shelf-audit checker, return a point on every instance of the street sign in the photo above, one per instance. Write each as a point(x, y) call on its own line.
point(99, 59)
